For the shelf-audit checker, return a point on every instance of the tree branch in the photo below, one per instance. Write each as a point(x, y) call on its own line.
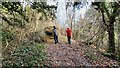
point(106, 10)
point(5, 19)
point(103, 18)
point(93, 36)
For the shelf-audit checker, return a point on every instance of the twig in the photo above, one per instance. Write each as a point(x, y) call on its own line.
point(5, 19)
point(93, 36)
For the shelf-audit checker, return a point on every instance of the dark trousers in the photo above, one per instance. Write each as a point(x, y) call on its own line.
point(69, 39)
point(56, 39)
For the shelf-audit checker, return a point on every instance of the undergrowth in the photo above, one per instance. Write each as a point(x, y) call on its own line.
point(28, 55)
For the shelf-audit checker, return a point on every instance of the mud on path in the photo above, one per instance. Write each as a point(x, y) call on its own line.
point(65, 55)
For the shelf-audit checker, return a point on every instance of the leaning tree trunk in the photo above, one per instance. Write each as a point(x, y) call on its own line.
point(111, 36)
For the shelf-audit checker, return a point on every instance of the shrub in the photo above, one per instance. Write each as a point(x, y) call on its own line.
point(28, 55)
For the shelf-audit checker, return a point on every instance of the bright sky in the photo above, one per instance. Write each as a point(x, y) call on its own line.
point(62, 15)
point(61, 12)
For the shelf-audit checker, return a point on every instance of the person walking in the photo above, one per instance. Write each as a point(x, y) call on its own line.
point(69, 33)
point(55, 34)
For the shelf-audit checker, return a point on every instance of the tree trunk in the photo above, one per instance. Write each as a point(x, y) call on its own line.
point(111, 36)
point(119, 40)
point(110, 28)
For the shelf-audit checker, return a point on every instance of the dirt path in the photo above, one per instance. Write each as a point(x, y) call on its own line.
point(65, 55)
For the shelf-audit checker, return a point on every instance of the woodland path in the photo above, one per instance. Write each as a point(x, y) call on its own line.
point(65, 55)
